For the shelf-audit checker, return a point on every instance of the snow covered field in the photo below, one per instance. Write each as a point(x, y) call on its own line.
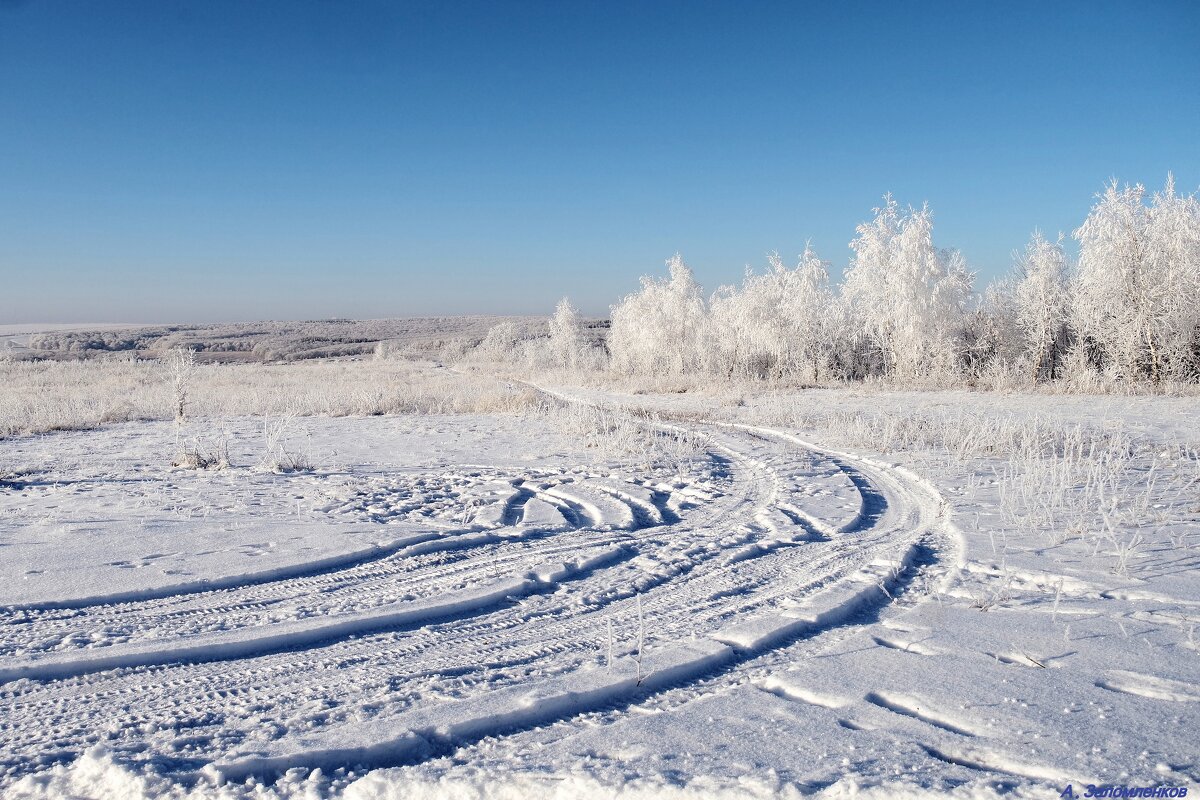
point(682, 595)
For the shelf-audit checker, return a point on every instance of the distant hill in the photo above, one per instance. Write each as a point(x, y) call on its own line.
point(417, 337)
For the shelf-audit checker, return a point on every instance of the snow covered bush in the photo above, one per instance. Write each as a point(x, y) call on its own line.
point(610, 432)
point(520, 345)
point(660, 328)
point(776, 324)
point(991, 348)
point(567, 343)
point(1135, 308)
point(502, 340)
point(181, 366)
point(1042, 305)
point(907, 299)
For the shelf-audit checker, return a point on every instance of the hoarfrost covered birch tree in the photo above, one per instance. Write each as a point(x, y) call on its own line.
point(1136, 293)
point(181, 367)
point(993, 342)
point(1042, 304)
point(1173, 265)
point(566, 336)
point(907, 310)
point(775, 325)
point(503, 342)
point(906, 298)
point(659, 329)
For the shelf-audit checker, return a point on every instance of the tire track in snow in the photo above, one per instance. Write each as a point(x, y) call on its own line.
point(380, 576)
point(748, 639)
point(788, 584)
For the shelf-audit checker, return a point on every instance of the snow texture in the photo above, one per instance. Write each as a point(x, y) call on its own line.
point(482, 606)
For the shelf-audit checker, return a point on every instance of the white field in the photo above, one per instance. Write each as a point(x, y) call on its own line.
point(834, 592)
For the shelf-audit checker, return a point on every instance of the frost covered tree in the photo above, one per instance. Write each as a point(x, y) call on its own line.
point(181, 367)
point(1139, 272)
point(503, 342)
point(1041, 298)
point(989, 341)
point(1111, 299)
point(907, 309)
point(906, 298)
point(811, 314)
point(659, 329)
point(567, 340)
point(775, 324)
point(1173, 265)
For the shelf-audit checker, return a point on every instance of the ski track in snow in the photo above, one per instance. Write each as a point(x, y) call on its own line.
point(439, 639)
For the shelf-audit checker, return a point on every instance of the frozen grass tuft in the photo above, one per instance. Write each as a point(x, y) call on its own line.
point(281, 453)
point(196, 453)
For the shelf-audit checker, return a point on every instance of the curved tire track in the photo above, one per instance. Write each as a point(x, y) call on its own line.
point(796, 575)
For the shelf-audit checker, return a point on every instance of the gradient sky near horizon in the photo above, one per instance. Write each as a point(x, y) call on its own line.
point(207, 161)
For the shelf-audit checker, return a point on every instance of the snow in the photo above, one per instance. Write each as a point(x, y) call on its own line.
point(485, 606)
point(96, 775)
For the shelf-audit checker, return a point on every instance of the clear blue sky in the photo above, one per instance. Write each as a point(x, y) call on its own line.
point(211, 160)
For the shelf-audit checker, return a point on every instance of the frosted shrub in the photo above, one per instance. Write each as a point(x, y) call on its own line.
point(502, 341)
point(512, 345)
point(567, 345)
point(1043, 306)
point(181, 367)
point(993, 345)
point(660, 328)
point(1139, 276)
point(612, 433)
point(280, 454)
point(1056, 487)
point(196, 453)
point(1005, 375)
point(776, 325)
point(1107, 490)
point(679, 449)
point(616, 435)
point(906, 297)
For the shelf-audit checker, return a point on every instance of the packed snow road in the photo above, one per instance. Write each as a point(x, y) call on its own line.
point(528, 595)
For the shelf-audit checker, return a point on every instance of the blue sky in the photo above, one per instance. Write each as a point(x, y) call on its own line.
point(193, 161)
